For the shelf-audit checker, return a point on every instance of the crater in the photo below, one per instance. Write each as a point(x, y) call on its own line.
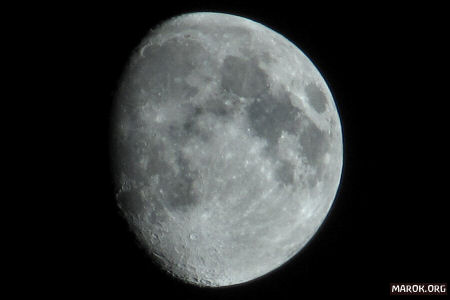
point(316, 98)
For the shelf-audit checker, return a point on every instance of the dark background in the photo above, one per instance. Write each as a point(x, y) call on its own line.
point(387, 69)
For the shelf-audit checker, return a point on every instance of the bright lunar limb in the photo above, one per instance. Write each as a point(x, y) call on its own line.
point(227, 148)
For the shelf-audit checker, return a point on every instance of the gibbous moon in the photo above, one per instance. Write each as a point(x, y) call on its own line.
point(227, 148)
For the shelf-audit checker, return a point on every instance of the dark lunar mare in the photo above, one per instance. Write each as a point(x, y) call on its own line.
point(269, 115)
point(240, 78)
point(178, 93)
point(316, 98)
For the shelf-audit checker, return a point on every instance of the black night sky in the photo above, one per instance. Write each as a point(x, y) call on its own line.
point(389, 222)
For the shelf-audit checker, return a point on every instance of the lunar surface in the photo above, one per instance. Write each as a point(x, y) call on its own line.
point(227, 148)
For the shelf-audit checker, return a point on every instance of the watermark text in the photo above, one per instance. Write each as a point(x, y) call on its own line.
point(418, 289)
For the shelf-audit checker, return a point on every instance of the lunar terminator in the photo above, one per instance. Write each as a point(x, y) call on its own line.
point(227, 148)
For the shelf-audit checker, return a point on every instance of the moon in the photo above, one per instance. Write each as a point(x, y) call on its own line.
point(226, 147)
